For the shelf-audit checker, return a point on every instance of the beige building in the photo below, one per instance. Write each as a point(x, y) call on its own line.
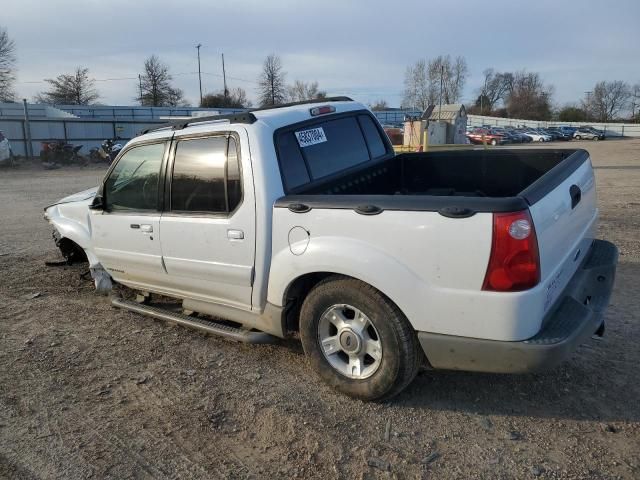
point(445, 124)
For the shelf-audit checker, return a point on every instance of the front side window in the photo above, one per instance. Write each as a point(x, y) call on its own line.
point(206, 176)
point(133, 182)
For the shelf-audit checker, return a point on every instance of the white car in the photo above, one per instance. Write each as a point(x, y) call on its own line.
point(5, 150)
point(537, 136)
point(301, 218)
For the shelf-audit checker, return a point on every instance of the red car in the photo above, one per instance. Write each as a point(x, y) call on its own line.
point(480, 136)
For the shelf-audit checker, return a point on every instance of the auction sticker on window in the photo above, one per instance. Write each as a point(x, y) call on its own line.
point(310, 137)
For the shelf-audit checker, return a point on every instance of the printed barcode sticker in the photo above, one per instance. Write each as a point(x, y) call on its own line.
point(310, 137)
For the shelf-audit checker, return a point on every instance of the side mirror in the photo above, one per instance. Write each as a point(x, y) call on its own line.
point(97, 203)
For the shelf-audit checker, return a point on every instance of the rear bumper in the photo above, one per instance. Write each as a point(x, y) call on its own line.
point(576, 316)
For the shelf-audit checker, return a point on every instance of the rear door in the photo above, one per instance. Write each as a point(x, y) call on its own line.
point(208, 226)
point(125, 235)
point(565, 221)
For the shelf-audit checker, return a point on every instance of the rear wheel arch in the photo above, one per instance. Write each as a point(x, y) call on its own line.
point(299, 288)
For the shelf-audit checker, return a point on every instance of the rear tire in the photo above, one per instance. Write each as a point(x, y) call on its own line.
point(341, 321)
point(578, 137)
point(595, 139)
point(494, 142)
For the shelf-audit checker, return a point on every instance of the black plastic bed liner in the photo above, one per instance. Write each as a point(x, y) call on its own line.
point(455, 183)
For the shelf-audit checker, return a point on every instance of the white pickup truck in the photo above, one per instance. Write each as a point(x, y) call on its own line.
point(301, 218)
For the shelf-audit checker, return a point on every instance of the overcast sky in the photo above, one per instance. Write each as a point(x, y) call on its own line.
point(358, 48)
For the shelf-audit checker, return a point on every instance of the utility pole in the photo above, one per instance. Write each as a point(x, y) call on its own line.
point(484, 93)
point(441, 81)
point(588, 104)
point(27, 129)
point(140, 85)
point(224, 79)
point(199, 72)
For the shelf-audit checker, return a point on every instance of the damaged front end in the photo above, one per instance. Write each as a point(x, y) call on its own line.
point(71, 221)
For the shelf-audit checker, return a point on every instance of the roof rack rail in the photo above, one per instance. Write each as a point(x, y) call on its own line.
point(304, 102)
point(241, 117)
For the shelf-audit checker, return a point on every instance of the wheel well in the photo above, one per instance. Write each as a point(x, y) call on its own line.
point(71, 251)
point(295, 294)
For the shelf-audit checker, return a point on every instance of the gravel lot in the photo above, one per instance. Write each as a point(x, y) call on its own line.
point(90, 391)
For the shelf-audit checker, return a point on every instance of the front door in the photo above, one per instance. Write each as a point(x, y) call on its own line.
point(125, 235)
point(208, 226)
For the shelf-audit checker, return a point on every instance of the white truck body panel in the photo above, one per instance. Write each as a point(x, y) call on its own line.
point(430, 265)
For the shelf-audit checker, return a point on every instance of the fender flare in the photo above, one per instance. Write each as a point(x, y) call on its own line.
point(348, 257)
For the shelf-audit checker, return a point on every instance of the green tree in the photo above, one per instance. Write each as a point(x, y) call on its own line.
point(572, 113)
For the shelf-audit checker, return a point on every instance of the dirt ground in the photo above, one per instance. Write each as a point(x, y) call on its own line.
point(87, 391)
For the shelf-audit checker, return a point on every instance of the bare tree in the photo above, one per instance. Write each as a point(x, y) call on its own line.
point(425, 81)
point(272, 90)
point(70, 89)
point(379, 105)
point(607, 100)
point(156, 89)
point(635, 99)
point(528, 97)
point(495, 87)
point(416, 87)
point(7, 66)
point(301, 91)
point(454, 75)
point(236, 98)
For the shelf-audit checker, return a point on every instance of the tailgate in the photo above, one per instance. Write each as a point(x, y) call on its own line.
point(565, 220)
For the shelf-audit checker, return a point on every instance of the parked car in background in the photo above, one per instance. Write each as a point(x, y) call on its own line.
point(5, 150)
point(519, 137)
point(481, 136)
point(558, 134)
point(537, 136)
point(588, 133)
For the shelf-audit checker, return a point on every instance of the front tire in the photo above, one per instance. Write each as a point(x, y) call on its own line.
point(578, 137)
point(494, 142)
point(357, 340)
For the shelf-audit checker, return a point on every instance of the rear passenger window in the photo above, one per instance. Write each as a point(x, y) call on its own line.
point(321, 149)
point(206, 176)
point(291, 161)
point(372, 135)
point(234, 185)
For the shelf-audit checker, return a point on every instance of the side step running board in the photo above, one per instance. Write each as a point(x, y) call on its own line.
point(215, 328)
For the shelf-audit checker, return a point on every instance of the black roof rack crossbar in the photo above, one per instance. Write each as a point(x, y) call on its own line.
point(240, 117)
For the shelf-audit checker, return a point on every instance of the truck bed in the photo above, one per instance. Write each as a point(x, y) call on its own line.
point(432, 213)
point(463, 180)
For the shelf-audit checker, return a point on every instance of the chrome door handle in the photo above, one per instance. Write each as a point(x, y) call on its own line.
point(235, 234)
point(146, 228)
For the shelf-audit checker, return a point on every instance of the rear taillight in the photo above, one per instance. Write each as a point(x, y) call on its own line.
point(514, 264)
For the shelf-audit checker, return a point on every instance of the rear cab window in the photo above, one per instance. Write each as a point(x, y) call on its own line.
point(318, 149)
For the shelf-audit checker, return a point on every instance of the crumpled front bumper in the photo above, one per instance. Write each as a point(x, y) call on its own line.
point(576, 317)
